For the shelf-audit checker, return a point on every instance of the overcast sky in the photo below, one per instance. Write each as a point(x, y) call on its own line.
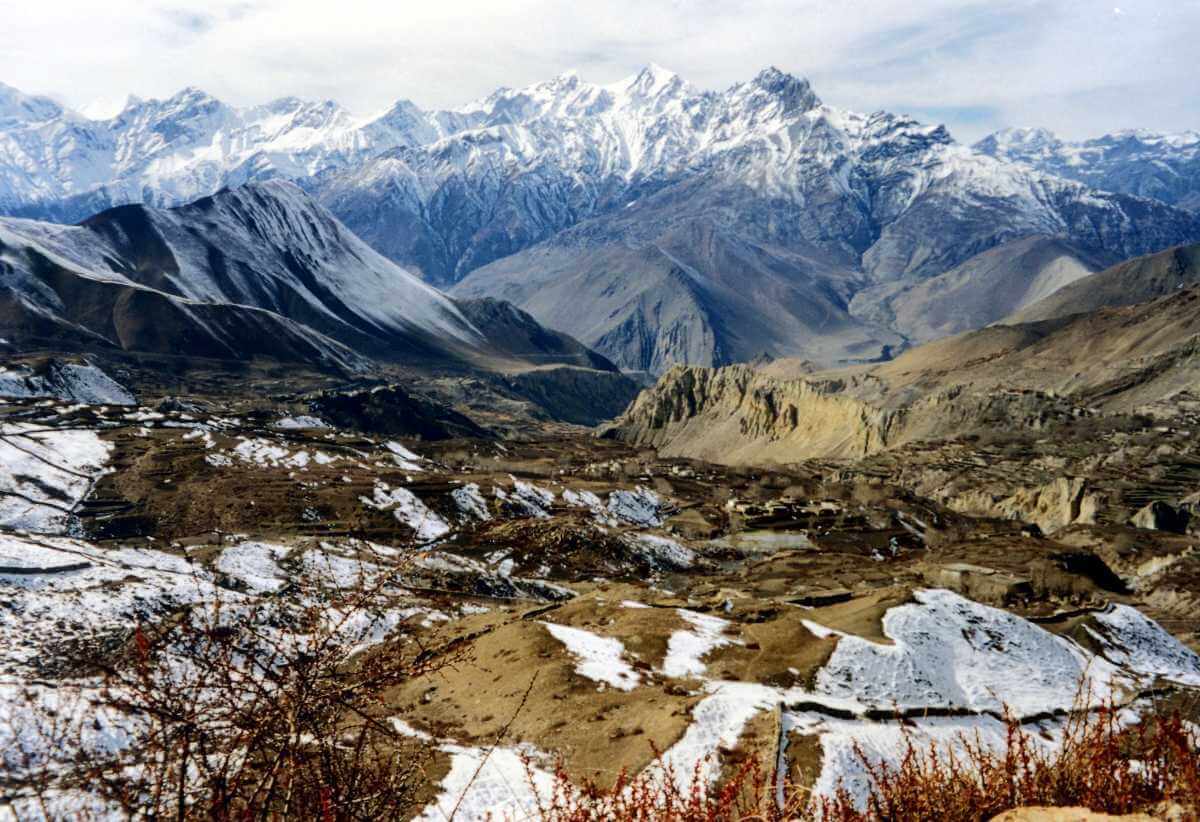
point(1080, 67)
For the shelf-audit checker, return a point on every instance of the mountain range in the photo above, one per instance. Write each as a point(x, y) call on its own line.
point(655, 222)
point(1149, 164)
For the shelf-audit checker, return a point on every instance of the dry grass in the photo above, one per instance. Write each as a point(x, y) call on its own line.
point(747, 794)
point(1102, 765)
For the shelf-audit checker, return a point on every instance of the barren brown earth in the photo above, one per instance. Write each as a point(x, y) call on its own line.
point(767, 570)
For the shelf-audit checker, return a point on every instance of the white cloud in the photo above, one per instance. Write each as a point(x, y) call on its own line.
point(1073, 65)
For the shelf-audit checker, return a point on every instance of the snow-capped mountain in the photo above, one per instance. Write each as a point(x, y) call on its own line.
point(1149, 164)
point(653, 220)
point(544, 157)
point(735, 223)
point(57, 164)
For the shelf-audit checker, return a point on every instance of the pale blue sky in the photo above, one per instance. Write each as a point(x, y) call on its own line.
point(1080, 67)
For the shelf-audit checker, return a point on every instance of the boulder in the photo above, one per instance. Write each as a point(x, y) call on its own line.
point(1159, 516)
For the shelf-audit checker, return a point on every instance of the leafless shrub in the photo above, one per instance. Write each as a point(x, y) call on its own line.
point(245, 708)
point(1101, 764)
point(656, 795)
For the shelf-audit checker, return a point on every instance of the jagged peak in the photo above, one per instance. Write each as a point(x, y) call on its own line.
point(656, 71)
point(191, 93)
point(796, 92)
point(188, 97)
point(276, 188)
point(652, 79)
point(1147, 137)
point(565, 82)
point(131, 102)
point(16, 104)
point(285, 103)
point(1018, 140)
point(402, 108)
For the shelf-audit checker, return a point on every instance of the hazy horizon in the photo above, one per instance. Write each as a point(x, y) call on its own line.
point(1079, 68)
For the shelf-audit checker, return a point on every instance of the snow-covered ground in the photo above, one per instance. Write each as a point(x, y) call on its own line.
point(64, 597)
point(403, 457)
point(950, 652)
point(470, 502)
point(640, 507)
point(1140, 645)
point(491, 784)
point(662, 552)
point(269, 454)
point(60, 590)
point(944, 652)
point(73, 382)
point(44, 473)
point(299, 423)
point(255, 565)
point(527, 498)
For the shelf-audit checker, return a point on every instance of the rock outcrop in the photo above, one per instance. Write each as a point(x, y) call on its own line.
point(76, 382)
point(1052, 507)
point(1159, 516)
point(737, 415)
point(392, 411)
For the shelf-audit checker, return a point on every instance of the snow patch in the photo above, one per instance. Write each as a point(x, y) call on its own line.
point(950, 652)
point(640, 507)
point(407, 508)
point(1138, 644)
point(44, 474)
point(490, 784)
point(470, 502)
point(299, 422)
point(600, 658)
point(255, 565)
point(686, 649)
point(662, 552)
point(403, 457)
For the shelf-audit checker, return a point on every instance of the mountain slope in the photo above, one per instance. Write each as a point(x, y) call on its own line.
point(835, 201)
point(1021, 377)
point(271, 246)
point(1115, 358)
point(696, 292)
point(980, 291)
point(885, 193)
point(48, 299)
point(258, 270)
point(1133, 281)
